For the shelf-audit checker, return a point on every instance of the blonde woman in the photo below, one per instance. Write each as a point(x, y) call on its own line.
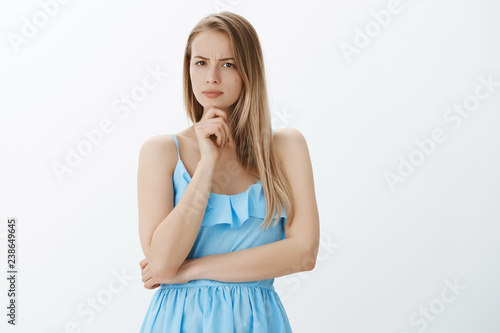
point(225, 205)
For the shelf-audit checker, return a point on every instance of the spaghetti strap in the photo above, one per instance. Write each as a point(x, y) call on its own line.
point(177, 145)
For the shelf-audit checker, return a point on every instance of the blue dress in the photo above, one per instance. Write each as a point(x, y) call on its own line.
point(230, 223)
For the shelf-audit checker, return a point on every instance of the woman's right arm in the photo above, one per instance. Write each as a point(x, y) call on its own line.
point(167, 233)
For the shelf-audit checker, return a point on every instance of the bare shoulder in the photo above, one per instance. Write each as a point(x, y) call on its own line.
point(162, 143)
point(159, 140)
point(290, 142)
point(159, 151)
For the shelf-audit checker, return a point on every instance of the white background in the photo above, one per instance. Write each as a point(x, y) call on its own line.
point(386, 254)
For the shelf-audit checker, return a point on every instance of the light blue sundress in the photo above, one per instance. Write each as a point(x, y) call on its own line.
point(230, 223)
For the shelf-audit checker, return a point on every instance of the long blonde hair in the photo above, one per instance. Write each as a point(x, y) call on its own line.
point(250, 120)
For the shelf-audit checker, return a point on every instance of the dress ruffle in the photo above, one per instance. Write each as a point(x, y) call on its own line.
point(231, 209)
point(216, 307)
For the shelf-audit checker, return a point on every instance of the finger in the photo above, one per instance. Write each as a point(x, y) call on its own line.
point(220, 113)
point(143, 263)
point(226, 131)
point(216, 112)
point(151, 283)
point(147, 276)
point(224, 122)
point(223, 136)
point(215, 130)
point(220, 136)
point(210, 113)
point(145, 270)
point(220, 132)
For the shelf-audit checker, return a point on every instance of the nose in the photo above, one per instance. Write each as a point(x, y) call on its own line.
point(213, 75)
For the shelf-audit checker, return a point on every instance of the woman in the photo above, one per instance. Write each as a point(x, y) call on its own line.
point(210, 243)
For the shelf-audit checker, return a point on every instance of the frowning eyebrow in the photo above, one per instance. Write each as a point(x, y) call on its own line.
point(223, 59)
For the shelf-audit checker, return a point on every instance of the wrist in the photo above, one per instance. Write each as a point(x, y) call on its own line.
point(194, 269)
point(206, 166)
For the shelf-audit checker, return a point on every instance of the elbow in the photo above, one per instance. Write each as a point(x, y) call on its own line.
point(159, 265)
point(168, 273)
point(162, 271)
point(305, 256)
point(308, 261)
point(309, 258)
point(165, 271)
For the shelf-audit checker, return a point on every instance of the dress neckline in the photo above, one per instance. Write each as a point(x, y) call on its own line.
point(179, 162)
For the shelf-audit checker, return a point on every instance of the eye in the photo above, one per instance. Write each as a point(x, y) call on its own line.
point(228, 63)
point(198, 62)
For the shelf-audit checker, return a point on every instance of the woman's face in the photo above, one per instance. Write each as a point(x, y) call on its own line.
point(213, 67)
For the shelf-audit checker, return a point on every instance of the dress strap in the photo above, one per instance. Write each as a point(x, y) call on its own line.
point(177, 145)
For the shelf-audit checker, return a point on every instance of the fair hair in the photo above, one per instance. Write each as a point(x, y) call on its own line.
point(250, 120)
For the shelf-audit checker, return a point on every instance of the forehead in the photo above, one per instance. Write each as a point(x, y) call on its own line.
point(210, 43)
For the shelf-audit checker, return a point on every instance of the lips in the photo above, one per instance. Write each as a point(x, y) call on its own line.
point(211, 93)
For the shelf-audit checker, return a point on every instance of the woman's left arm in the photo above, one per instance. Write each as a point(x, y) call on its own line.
point(299, 250)
point(261, 262)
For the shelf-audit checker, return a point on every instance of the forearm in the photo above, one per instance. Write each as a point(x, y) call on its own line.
point(174, 237)
point(257, 263)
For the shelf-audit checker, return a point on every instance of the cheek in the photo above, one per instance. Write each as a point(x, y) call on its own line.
point(193, 72)
point(237, 83)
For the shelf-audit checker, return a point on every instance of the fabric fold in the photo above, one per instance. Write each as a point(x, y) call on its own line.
point(226, 309)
